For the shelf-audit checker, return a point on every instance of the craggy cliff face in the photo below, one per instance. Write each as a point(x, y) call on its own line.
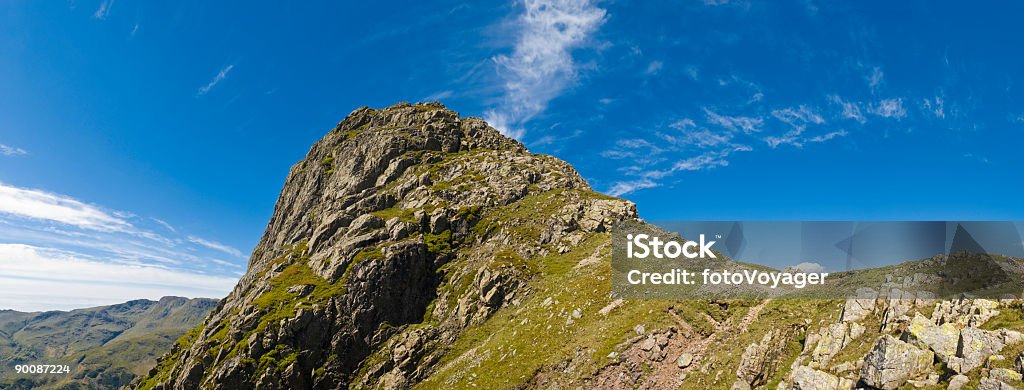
point(401, 228)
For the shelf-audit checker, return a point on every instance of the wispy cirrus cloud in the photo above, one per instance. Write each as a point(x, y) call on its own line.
point(889, 108)
point(625, 187)
point(936, 106)
point(104, 10)
point(35, 278)
point(216, 79)
point(735, 123)
point(11, 151)
point(798, 118)
point(850, 110)
point(117, 250)
point(654, 67)
point(41, 205)
point(541, 65)
point(215, 246)
point(875, 78)
point(689, 145)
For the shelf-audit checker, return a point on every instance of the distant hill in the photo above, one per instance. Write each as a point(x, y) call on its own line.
point(104, 346)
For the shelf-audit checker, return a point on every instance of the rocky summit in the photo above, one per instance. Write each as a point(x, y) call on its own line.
point(414, 248)
point(401, 228)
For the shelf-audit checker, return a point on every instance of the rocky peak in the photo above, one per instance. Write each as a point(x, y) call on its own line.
point(399, 216)
point(343, 174)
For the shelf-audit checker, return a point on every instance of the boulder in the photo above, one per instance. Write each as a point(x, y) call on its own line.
point(860, 307)
point(806, 378)
point(958, 382)
point(976, 345)
point(759, 360)
point(833, 339)
point(943, 340)
point(965, 312)
point(992, 384)
point(1005, 375)
point(893, 362)
point(684, 360)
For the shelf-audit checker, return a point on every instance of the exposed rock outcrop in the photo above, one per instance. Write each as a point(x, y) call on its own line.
point(361, 245)
point(893, 362)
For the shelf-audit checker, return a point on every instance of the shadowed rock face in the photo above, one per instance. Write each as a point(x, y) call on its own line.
point(399, 229)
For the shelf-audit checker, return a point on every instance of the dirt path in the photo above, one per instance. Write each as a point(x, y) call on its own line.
point(666, 373)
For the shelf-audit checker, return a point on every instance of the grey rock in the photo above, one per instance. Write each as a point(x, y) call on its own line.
point(992, 384)
point(958, 382)
point(648, 344)
point(943, 340)
point(1005, 375)
point(893, 362)
point(965, 312)
point(760, 360)
point(831, 340)
point(806, 378)
point(860, 307)
point(684, 360)
point(976, 345)
point(638, 329)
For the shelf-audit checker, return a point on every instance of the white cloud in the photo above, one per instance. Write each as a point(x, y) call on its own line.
point(826, 137)
point(936, 106)
point(683, 124)
point(56, 229)
point(979, 158)
point(439, 96)
point(12, 151)
point(799, 116)
point(35, 278)
point(165, 225)
point(850, 109)
point(215, 246)
point(707, 160)
point(216, 79)
point(626, 187)
point(702, 138)
point(104, 9)
point(41, 205)
point(807, 268)
point(541, 65)
point(504, 123)
point(654, 67)
point(876, 78)
point(735, 123)
point(798, 119)
point(889, 108)
point(693, 73)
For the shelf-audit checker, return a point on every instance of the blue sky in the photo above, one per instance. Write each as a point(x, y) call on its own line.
point(148, 141)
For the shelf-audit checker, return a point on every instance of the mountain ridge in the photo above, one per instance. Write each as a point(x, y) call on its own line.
point(414, 248)
point(104, 346)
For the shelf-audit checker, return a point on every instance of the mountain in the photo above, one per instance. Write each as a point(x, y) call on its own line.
point(412, 247)
point(104, 346)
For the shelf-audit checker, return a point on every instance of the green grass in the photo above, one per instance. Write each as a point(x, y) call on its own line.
point(404, 215)
point(439, 244)
point(515, 342)
point(328, 164)
point(1009, 318)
